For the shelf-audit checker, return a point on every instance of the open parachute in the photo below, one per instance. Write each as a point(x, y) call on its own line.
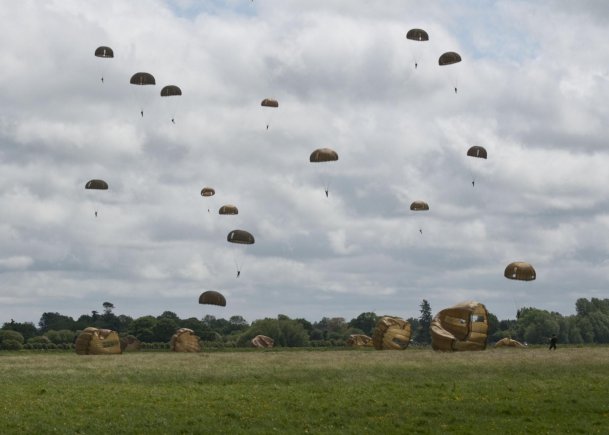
point(94, 341)
point(96, 185)
point(520, 270)
point(461, 327)
point(228, 209)
point(212, 297)
point(391, 333)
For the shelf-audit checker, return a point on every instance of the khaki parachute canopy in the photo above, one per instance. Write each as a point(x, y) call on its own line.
point(359, 340)
point(228, 209)
point(323, 155)
point(262, 342)
point(461, 327)
point(170, 91)
point(508, 342)
point(93, 341)
point(208, 191)
point(269, 102)
point(419, 206)
point(130, 344)
point(520, 270)
point(391, 333)
point(477, 151)
point(185, 340)
point(104, 52)
point(212, 297)
point(449, 58)
point(240, 236)
point(96, 184)
point(417, 35)
point(142, 78)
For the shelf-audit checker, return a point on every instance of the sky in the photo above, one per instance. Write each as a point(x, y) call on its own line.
point(533, 87)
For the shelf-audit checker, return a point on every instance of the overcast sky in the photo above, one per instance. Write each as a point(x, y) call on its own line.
point(532, 87)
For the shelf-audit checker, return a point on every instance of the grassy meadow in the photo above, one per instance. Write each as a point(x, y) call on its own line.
point(307, 391)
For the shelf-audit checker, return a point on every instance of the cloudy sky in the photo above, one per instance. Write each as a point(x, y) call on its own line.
point(532, 87)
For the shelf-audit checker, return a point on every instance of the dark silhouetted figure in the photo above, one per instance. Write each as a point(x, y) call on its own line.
point(553, 341)
point(173, 120)
point(455, 90)
point(267, 126)
point(95, 213)
point(142, 113)
point(421, 230)
point(326, 193)
point(238, 273)
point(415, 65)
point(473, 183)
point(102, 79)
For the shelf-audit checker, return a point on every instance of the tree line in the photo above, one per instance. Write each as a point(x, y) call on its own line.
point(590, 324)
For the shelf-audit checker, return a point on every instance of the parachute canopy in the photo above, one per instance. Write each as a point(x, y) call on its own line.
point(93, 341)
point(268, 102)
point(142, 78)
point(359, 340)
point(419, 206)
point(391, 333)
point(96, 184)
point(104, 52)
point(520, 270)
point(228, 209)
point(477, 151)
point(508, 342)
point(323, 155)
point(417, 35)
point(130, 343)
point(212, 298)
point(241, 237)
point(208, 191)
point(449, 58)
point(185, 340)
point(262, 341)
point(170, 91)
point(461, 327)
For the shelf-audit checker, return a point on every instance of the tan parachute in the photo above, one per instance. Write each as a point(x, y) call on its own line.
point(272, 104)
point(508, 342)
point(185, 340)
point(130, 344)
point(359, 340)
point(321, 155)
point(228, 209)
point(142, 79)
point(419, 206)
point(262, 342)
point(520, 270)
point(212, 297)
point(461, 327)
point(208, 191)
point(94, 341)
point(391, 333)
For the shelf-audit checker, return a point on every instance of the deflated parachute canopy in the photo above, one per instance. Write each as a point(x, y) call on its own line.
point(520, 270)
point(419, 206)
point(142, 78)
point(104, 52)
point(212, 298)
point(269, 102)
point(240, 236)
point(508, 342)
point(130, 343)
point(461, 327)
point(170, 91)
point(391, 333)
point(449, 58)
point(96, 184)
point(323, 155)
point(359, 340)
point(228, 209)
point(185, 340)
point(93, 341)
point(477, 151)
point(208, 191)
point(263, 342)
point(417, 35)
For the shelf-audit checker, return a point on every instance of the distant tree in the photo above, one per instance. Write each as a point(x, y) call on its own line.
point(195, 324)
point(55, 321)
point(141, 324)
point(308, 326)
point(6, 335)
point(285, 332)
point(63, 336)
point(169, 315)
point(365, 321)
point(26, 329)
point(238, 323)
point(108, 307)
point(164, 328)
point(423, 335)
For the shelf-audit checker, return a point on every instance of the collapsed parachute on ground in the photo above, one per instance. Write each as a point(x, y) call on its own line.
point(130, 344)
point(228, 209)
point(391, 333)
point(449, 58)
point(520, 270)
point(105, 52)
point(208, 191)
point(94, 341)
point(269, 102)
point(323, 155)
point(419, 206)
point(262, 342)
point(508, 342)
point(212, 297)
point(477, 151)
point(96, 185)
point(461, 327)
point(359, 340)
point(185, 340)
point(170, 91)
point(241, 237)
point(417, 35)
point(142, 79)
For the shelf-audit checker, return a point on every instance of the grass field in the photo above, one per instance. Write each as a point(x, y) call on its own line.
point(299, 391)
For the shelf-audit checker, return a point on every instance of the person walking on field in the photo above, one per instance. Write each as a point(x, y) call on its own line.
point(553, 341)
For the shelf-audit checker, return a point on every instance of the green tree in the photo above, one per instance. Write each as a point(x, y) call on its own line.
point(365, 321)
point(55, 321)
point(59, 337)
point(164, 328)
point(285, 332)
point(26, 329)
point(6, 334)
point(141, 325)
point(423, 335)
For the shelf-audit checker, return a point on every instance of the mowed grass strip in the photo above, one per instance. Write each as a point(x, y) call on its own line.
point(418, 391)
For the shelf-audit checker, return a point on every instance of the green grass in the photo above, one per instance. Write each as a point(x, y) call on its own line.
point(415, 391)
